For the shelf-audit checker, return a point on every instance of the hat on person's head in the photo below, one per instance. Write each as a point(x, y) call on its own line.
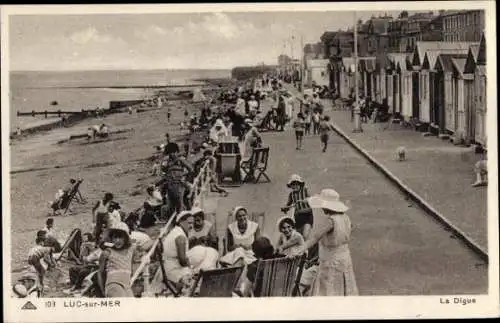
point(328, 199)
point(237, 209)
point(197, 210)
point(295, 179)
point(122, 228)
point(182, 215)
point(284, 219)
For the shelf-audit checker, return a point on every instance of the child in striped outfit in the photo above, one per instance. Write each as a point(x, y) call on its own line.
point(298, 199)
point(40, 257)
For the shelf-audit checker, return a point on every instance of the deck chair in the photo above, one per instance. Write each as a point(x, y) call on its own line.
point(71, 247)
point(66, 199)
point(171, 287)
point(257, 164)
point(216, 282)
point(277, 277)
point(258, 217)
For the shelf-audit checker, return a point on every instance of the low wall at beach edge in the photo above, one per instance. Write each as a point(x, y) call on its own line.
point(67, 121)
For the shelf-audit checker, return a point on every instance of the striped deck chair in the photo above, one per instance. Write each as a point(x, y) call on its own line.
point(258, 217)
point(277, 277)
point(216, 282)
point(71, 247)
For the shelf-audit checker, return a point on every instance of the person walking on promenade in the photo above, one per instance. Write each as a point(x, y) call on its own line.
point(299, 125)
point(324, 130)
point(335, 275)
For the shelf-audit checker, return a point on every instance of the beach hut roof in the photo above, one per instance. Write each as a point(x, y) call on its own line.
point(445, 63)
point(367, 64)
point(481, 55)
point(348, 63)
point(424, 46)
point(399, 60)
point(459, 65)
point(471, 62)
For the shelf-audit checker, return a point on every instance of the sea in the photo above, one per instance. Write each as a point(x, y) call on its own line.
point(77, 90)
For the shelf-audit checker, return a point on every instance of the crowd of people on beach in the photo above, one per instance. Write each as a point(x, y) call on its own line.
point(106, 258)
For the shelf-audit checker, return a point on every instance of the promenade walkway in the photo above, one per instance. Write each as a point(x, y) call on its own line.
point(438, 171)
point(397, 249)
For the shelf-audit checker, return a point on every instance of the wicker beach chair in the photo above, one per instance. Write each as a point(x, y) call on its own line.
point(216, 282)
point(277, 277)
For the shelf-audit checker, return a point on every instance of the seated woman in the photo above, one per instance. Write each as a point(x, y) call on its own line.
point(203, 232)
point(240, 236)
point(290, 241)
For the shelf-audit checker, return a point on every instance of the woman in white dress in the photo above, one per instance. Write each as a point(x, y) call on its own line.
point(335, 274)
point(240, 235)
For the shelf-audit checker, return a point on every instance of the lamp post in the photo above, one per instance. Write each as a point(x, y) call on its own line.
point(357, 109)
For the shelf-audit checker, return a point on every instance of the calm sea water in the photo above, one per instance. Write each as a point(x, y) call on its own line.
point(36, 90)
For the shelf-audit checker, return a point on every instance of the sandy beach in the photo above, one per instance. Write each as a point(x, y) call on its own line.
point(118, 166)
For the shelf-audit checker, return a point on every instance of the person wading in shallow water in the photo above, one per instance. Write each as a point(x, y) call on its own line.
point(173, 182)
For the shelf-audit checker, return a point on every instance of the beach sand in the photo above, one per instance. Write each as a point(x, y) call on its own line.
point(109, 166)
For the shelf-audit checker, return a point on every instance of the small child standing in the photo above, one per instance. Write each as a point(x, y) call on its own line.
point(115, 263)
point(40, 257)
point(169, 114)
point(298, 199)
point(299, 125)
point(324, 130)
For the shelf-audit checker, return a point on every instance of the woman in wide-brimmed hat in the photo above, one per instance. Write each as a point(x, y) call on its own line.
point(332, 230)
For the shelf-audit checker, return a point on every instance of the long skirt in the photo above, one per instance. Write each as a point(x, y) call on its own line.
point(335, 276)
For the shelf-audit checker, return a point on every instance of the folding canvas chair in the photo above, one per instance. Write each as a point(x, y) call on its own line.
point(217, 282)
point(277, 277)
point(258, 217)
point(71, 247)
point(257, 164)
point(67, 199)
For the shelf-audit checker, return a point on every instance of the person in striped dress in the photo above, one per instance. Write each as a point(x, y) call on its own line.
point(303, 215)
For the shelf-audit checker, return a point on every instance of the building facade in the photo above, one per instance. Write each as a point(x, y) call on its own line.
point(464, 25)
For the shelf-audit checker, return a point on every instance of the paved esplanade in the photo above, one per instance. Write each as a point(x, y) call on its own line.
point(396, 248)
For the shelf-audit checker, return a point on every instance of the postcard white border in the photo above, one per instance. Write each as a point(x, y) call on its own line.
point(169, 309)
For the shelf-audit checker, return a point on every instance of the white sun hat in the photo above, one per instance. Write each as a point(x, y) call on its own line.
point(328, 199)
point(294, 178)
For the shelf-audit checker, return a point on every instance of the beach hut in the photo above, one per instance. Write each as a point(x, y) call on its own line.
point(382, 66)
point(402, 82)
point(475, 94)
point(367, 70)
point(346, 77)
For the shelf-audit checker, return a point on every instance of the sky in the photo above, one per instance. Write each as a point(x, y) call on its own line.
point(210, 40)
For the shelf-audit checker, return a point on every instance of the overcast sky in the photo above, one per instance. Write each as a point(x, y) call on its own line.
point(165, 41)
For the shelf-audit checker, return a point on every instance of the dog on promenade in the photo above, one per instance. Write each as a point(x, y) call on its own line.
point(401, 153)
